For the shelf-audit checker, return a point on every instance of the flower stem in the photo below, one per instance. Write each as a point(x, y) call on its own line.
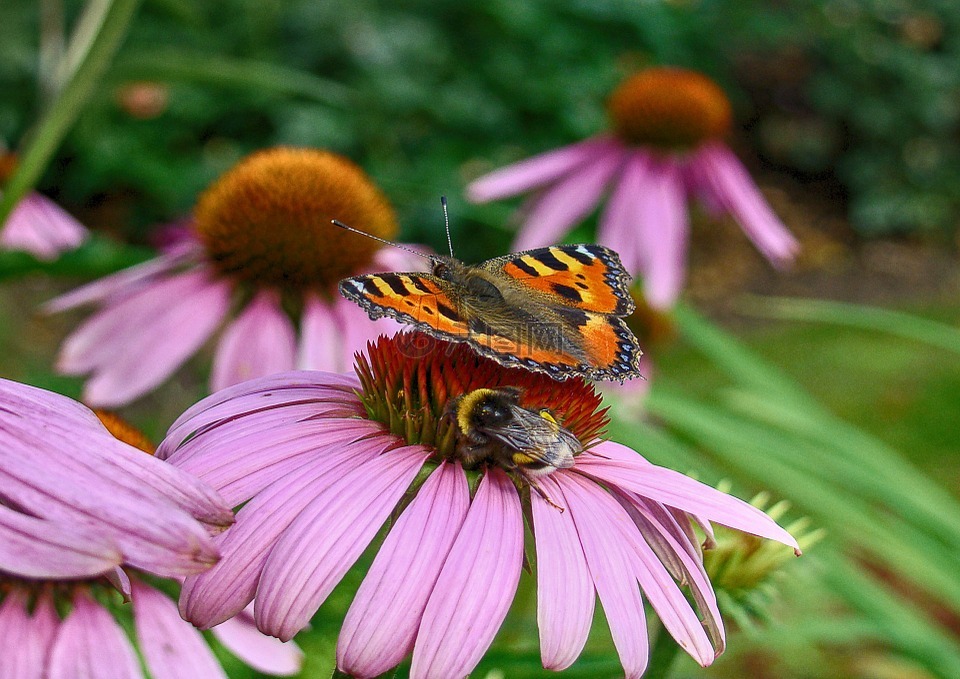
point(662, 656)
point(101, 29)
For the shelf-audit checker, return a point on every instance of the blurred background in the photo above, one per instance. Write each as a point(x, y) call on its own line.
point(847, 113)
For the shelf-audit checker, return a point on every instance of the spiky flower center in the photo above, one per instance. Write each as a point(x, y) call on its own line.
point(410, 381)
point(669, 108)
point(124, 431)
point(267, 220)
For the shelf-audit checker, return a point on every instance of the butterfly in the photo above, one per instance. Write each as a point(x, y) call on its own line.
point(557, 310)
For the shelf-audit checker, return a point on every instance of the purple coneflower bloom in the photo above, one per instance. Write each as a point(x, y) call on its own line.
point(262, 253)
point(666, 145)
point(320, 461)
point(83, 516)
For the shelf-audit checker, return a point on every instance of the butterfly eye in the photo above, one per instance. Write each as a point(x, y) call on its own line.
point(440, 269)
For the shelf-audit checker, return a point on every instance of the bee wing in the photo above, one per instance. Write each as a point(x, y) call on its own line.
point(543, 441)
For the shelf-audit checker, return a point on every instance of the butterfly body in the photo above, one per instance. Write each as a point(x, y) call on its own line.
point(556, 310)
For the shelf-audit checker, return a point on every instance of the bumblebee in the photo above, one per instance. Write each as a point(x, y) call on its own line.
point(496, 428)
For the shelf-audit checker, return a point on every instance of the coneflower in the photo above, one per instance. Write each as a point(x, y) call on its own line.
point(320, 461)
point(666, 144)
point(88, 521)
point(261, 255)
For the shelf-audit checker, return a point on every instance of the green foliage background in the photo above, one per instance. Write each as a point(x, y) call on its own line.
point(427, 94)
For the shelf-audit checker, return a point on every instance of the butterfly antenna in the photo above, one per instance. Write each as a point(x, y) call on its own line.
point(446, 221)
point(337, 222)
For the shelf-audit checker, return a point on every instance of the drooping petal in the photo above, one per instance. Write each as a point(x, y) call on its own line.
point(676, 614)
point(327, 537)
point(671, 540)
point(127, 281)
point(62, 433)
point(676, 490)
point(476, 586)
point(260, 341)
point(25, 640)
point(151, 532)
point(381, 625)
point(358, 329)
point(265, 654)
point(92, 645)
point(135, 344)
point(662, 233)
point(171, 647)
point(620, 221)
point(319, 337)
point(224, 590)
point(534, 172)
point(33, 548)
point(569, 200)
point(42, 228)
point(724, 177)
point(601, 524)
point(565, 592)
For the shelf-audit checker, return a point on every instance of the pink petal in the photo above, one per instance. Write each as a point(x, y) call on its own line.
point(152, 533)
point(358, 330)
point(319, 337)
point(569, 200)
point(678, 618)
point(33, 548)
point(224, 590)
point(565, 592)
point(265, 654)
point(125, 282)
point(27, 639)
point(171, 647)
point(476, 586)
point(261, 341)
point(534, 172)
point(727, 181)
point(676, 490)
point(662, 233)
point(382, 622)
point(241, 472)
point(671, 539)
point(274, 391)
point(601, 524)
point(325, 539)
point(92, 645)
point(41, 227)
point(137, 343)
point(620, 222)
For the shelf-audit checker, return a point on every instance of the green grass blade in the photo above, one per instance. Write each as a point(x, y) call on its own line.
point(221, 72)
point(57, 120)
point(896, 323)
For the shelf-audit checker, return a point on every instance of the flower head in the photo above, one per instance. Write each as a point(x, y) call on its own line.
point(86, 520)
point(261, 254)
point(320, 461)
point(37, 224)
point(666, 146)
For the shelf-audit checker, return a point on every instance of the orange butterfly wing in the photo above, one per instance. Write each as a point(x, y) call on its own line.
point(414, 298)
point(586, 277)
point(420, 300)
